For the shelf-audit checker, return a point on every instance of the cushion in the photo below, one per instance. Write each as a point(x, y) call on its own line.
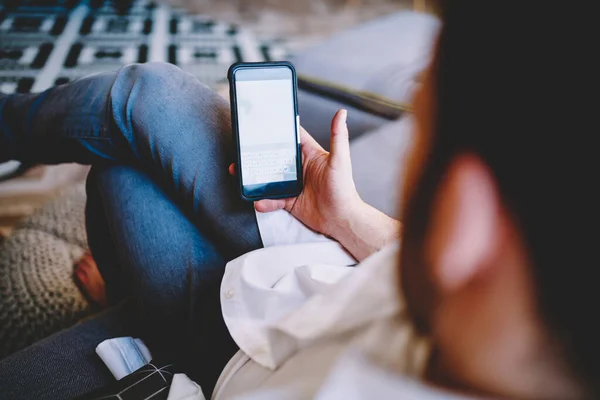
point(383, 57)
point(37, 293)
point(378, 160)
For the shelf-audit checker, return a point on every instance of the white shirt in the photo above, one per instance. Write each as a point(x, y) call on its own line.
point(309, 325)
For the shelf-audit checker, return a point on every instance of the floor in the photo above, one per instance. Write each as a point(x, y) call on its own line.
point(301, 21)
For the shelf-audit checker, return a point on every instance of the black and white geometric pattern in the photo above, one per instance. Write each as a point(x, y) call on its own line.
point(17, 55)
point(49, 42)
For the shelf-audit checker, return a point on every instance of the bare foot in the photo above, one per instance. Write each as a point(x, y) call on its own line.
point(90, 281)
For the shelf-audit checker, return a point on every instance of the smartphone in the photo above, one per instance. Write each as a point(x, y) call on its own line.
point(266, 129)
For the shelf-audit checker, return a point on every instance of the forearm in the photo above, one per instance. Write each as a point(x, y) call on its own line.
point(367, 231)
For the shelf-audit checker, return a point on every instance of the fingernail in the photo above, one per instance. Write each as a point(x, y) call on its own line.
point(344, 114)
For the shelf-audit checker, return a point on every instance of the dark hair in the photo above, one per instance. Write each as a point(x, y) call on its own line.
point(516, 84)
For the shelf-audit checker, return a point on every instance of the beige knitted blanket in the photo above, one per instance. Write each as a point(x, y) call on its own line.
point(38, 296)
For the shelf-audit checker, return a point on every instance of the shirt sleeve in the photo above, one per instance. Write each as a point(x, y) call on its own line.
point(260, 289)
point(280, 228)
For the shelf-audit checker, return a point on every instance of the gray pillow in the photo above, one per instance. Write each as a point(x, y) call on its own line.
point(378, 160)
point(382, 57)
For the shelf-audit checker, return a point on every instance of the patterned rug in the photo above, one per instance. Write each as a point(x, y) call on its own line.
point(49, 42)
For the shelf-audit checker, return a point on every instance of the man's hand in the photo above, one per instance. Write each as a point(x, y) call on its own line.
point(329, 196)
point(329, 202)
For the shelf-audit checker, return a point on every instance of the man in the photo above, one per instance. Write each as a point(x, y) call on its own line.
point(491, 293)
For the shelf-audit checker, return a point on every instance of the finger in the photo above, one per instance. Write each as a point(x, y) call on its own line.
point(339, 142)
point(265, 206)
point(232, 169)
point(309, 144)
point(81, 275)
point(305, 137)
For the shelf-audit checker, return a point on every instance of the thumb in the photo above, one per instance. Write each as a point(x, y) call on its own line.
point(340, 142)
point(268, 205)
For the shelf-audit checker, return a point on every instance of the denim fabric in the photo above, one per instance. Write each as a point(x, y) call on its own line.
point(153, 116)
point(163, 217)
point(148, 249)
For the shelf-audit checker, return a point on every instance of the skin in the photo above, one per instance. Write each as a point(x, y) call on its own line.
point(473, 270)
point(88, 277)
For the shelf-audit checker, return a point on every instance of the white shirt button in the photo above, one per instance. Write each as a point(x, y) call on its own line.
point(229, 293)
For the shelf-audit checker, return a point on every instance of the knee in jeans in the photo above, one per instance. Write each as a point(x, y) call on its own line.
point(143, 92)
point(144, 96)
point(148, 100)
point(158, 80)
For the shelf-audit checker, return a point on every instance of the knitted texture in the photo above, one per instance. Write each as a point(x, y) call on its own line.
point(38, 296)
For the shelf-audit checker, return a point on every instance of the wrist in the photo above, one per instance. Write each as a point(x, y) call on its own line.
point(365, 230)
point(350, 215)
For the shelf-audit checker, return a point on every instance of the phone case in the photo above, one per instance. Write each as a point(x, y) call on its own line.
point(235, 129)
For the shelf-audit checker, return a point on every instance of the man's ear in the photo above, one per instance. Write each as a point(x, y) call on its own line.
point(466, 224)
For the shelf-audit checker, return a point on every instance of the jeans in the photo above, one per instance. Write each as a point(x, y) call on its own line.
point(163, 218)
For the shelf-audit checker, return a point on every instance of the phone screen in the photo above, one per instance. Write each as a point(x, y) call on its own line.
point(267, 127)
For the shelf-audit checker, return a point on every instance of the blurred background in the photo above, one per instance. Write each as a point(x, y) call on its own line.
point(364, 55)
point(50, 42)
